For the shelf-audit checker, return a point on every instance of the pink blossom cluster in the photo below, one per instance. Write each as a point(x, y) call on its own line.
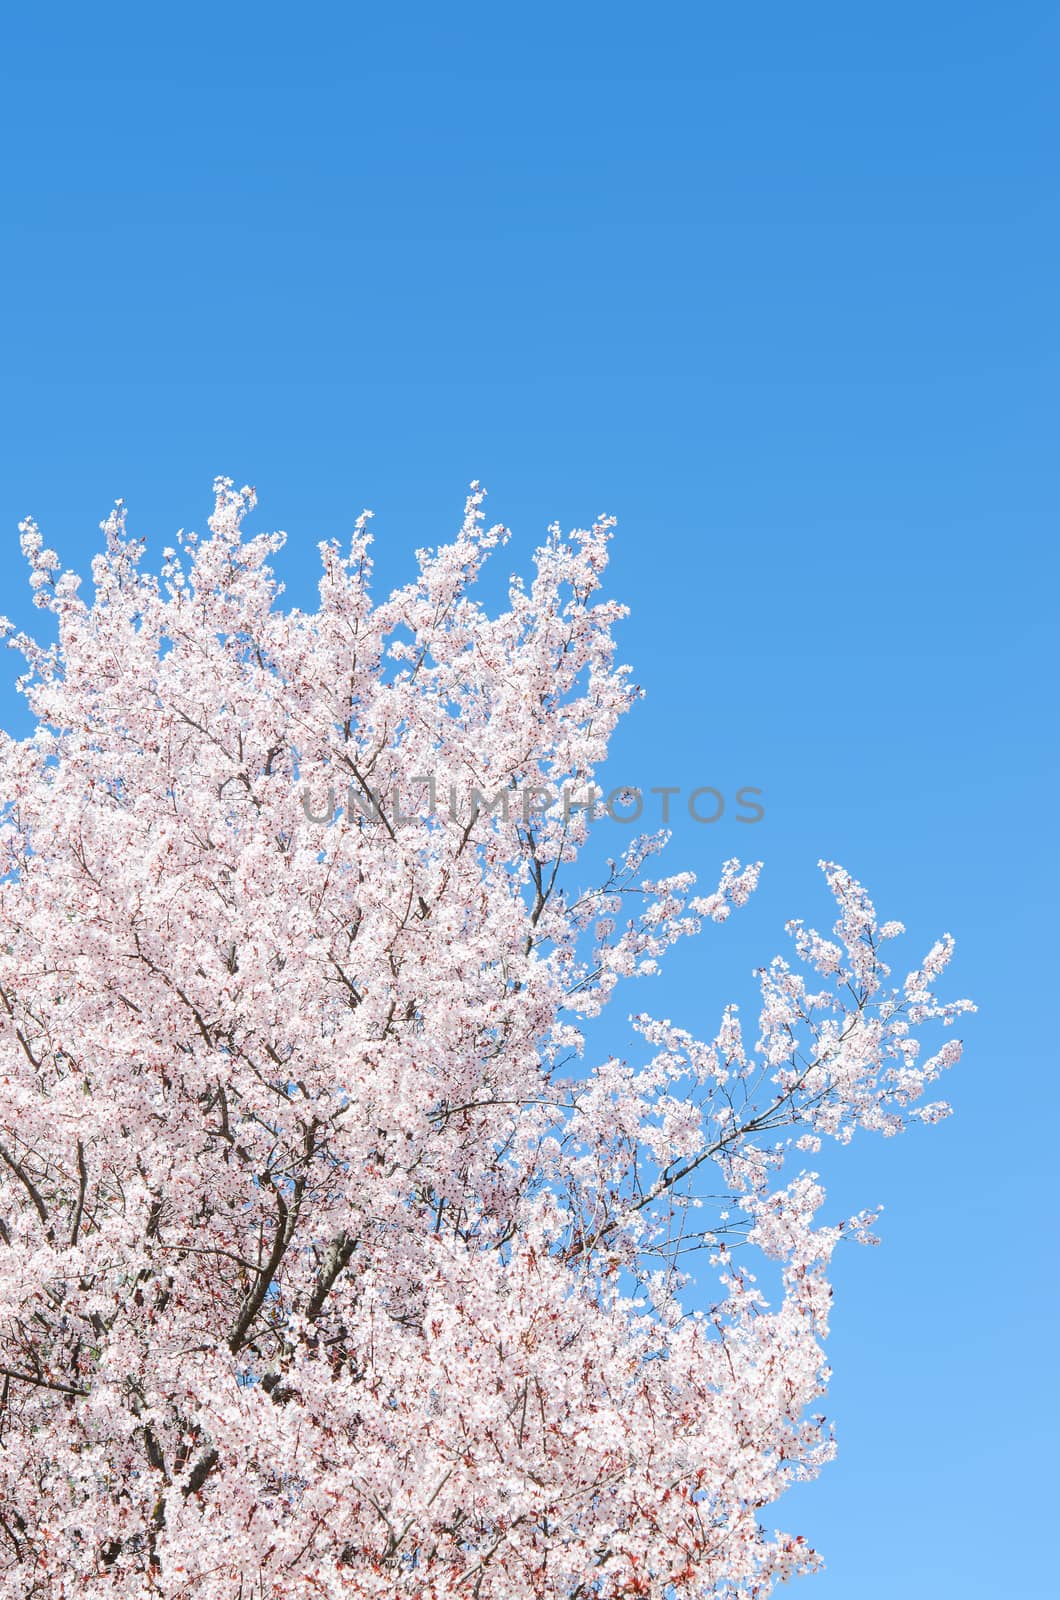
point(330, 1263)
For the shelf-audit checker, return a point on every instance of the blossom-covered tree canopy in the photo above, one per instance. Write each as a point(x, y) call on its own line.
point(332, 1261)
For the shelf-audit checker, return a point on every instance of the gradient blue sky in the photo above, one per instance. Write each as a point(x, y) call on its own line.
point(774, 284)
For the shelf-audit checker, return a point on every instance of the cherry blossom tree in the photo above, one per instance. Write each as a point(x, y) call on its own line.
point(332, 1262)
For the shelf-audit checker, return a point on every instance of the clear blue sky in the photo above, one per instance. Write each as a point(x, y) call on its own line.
point(776, 284)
